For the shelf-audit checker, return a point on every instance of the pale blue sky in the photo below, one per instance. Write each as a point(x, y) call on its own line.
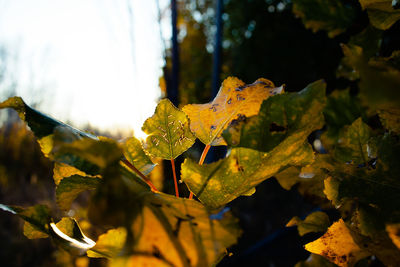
point(80, 55)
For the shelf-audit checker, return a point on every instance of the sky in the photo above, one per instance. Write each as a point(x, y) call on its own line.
point(86, 61)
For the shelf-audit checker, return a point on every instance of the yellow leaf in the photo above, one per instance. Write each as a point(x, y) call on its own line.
point(109, 245)
point(235, 100)
point(337, 245)
point(138, 261)
point(394, 233)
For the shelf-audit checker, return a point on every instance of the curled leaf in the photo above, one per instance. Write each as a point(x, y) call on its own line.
point(234, 100)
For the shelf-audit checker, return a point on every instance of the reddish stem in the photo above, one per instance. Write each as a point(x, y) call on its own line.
point(175, 181)
point(141, 175)
point(201, 161)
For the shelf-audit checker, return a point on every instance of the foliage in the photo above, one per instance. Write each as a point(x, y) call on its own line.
point(350, 167)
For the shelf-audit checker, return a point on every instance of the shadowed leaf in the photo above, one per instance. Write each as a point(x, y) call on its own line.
point(315, 260)
point(70, 187)
point(280, 116)
point(332, 16)
point(36, 219)
point(353, 144)
point(315, 222)
point(381, 13)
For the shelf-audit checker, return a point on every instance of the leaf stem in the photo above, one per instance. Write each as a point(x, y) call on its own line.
point(141, 175)
point(175, 180)
point(201, 161)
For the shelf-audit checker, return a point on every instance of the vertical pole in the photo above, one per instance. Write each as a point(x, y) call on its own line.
point(217, 152)
point(217, 49)
point(172, 92)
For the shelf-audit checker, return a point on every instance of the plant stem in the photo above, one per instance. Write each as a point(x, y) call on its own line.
point(175, 181)
point(141, 175)
point(201, 161)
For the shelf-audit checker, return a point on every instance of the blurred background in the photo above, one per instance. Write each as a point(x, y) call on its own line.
point(102, 65)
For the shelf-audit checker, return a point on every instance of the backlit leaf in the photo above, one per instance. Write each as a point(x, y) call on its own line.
point(70, 187)
point(138, 261)
point(332, 16)
point(337, 245)
point(42, 126)
point(168, 132)
point(235, 100)
point(36, 219)
point(381, 13)
point(183, 232)
point(394, 233)
point(134, 153)
point(109, 245)
point(218, 183)
point(68, 235)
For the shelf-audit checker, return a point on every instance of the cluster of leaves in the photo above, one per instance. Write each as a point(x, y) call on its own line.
point(143, 225)
point(352, 166)
point(355, 169)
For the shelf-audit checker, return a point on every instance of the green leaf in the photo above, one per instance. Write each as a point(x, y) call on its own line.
point(381, 13)
point(218, 183)
point(109, 245)
point(181, 231)
point(134, 153)
point(341, 109)
point(376, 184)
point(61, 171)
point(168, 132)
point(370, 39)
point(87, 155)
point(390, 119)
point(234, 101)
point(309, 178)
point(36, 219)
point(70, 187)
point(378, 82)
point(353, 144)
point(280, 116)
point(42, 126)
point(333, 16)
point(368, 231)
point(315, 222)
